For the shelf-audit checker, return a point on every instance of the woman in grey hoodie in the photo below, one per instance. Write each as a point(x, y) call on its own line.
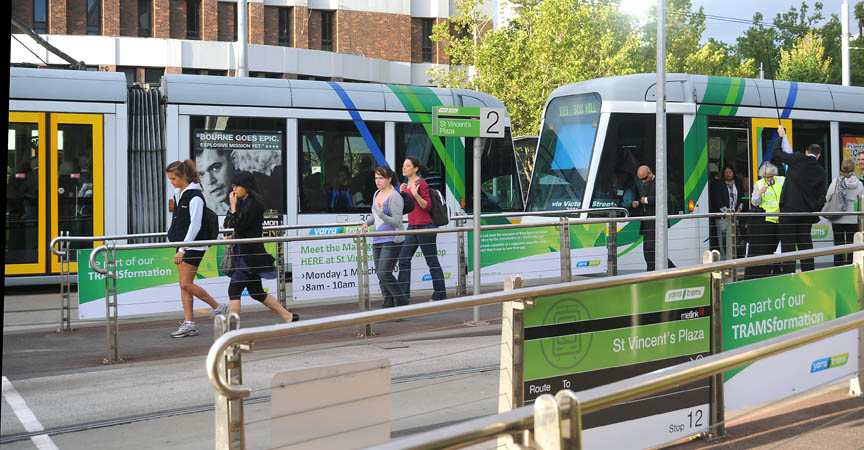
point(386, 215)
point(844, 227)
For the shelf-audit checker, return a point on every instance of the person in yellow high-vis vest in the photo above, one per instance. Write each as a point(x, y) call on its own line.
point(764, 235)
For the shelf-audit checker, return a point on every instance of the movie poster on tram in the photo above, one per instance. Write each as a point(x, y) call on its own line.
point(756, 310)
point(852, 147)
point(587, 339)
point(148, 283)
point(327, 268)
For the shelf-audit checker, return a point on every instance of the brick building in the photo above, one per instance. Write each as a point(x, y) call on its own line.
point(381, 41)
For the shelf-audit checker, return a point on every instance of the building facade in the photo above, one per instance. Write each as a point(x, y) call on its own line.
point(379, 41)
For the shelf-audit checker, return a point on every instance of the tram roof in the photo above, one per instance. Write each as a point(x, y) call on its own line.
point(278, 93)
point(703, 89)
point(66, 85)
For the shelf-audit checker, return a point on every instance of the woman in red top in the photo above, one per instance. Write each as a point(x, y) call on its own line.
point(419, 219)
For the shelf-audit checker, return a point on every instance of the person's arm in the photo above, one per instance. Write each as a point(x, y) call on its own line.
point(781, 150)
point(249, 215)
point(420, 192)
point(756, 196)
point(196, 213)
point(395, 217)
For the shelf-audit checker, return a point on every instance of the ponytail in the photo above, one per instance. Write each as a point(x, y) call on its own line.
point(185, 169)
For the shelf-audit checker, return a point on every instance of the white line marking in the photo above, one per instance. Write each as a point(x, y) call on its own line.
point(27, 418)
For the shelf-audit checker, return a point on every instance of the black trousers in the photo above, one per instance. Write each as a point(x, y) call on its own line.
point(795, 234)
point(763, 237)
point(648, 250)
point(843, 234)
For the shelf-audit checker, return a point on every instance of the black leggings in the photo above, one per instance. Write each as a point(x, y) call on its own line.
point(256, 291)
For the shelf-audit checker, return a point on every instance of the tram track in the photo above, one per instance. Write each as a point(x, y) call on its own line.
point(11, 438)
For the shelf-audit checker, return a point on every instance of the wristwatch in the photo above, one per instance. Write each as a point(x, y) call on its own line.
point(181, 250)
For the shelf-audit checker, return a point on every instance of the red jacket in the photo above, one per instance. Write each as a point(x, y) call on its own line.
point(420, 216)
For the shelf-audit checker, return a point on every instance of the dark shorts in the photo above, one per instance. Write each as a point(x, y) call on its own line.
point(193, 257)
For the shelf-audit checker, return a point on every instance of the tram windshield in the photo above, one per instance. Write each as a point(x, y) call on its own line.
point(564, 153)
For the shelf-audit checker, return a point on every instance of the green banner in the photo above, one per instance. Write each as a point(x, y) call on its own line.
point(504, 246)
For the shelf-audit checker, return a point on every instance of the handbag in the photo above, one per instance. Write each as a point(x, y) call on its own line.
point(836, 202)
point(226, 266)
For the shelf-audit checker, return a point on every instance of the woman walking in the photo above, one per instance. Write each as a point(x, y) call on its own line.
point(186, 226)
point(387, 216)
point(844, 227)
point(419, 219)
point(246, 216)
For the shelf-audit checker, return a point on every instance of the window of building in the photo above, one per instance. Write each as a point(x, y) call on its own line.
point(193, 19)
point(145, 27)
point(234, 32)
point(94, 17)
point(129, 72)
point(153, 75)
point(337, 165)
point(425, 39)
point(327, 31)
point(285, 27)
point(40, 16)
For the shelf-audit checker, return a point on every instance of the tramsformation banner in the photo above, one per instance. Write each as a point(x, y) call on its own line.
point(148, 283)
point(756, 310)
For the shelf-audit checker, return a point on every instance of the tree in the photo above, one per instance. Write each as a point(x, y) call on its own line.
point(805, 61)
point(859, 14)
point(758, 44)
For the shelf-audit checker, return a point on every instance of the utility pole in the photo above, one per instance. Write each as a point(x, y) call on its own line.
point(661, 232)
point(844, 38)
point(242, 38)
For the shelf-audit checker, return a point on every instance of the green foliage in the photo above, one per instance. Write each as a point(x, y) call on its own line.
point(805, 61)
point(859, 13)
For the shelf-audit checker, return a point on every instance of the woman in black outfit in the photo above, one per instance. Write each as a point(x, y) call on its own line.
point(246, 217)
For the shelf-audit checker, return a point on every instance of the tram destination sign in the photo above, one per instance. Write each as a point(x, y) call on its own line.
point(236, 140)
point(468, 121)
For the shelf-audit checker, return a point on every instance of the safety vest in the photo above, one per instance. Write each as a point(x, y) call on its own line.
point(770, 201)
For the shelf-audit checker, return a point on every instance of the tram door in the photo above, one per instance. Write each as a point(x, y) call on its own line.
point(53, 184)
point(729, 146)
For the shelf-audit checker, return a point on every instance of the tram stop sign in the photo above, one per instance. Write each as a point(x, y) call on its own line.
point(468, 121)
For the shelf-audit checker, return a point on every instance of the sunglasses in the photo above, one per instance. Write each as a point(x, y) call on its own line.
point(645, 178)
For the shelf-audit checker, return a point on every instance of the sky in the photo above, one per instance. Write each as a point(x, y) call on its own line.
point(744, 9)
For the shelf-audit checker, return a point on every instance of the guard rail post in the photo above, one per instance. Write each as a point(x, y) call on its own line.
point(363, 289)
point(462, 284)
point(547, 424)
point(112, 324)
point(65, 286)
point(861, 217)
point(228, 412)
point(571, 426)
point(612, 250)
point(281, 274)
point(512, 347)
point(855, 384)
point(731, 223)
point(717, 409)
point(564, 239)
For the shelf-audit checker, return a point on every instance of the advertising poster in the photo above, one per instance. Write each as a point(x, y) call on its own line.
point(218, 154)
point(583, 340)
point(147, 282)
point(328, 268)
point(534, 253)
point(757, 310)
point(852, 147)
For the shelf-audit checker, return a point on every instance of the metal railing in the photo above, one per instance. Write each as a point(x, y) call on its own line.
point(231, 394)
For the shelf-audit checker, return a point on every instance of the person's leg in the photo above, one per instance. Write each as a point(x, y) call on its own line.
point(430, 252)
point(257, 292)
point(409, 246)
point(757, 248)
point(187, 275)
point(847, 230)
point(388, 256)
point(193, 289)
point(376, 259)
point(714, 241)
point(805, 242)
point(788, 240)
point(839, 238)
point(648, 245)
point(235, 290)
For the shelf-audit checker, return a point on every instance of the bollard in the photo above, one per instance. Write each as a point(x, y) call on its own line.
point(547, 424)
point(228, 412)
point(112, 325)
point(462, 286)
point(511, 376)
point(716, 413)
point(855, 384)
point(571, 424)
point(612, 250)
point(363, 281)
point(281, 275)
point(564, 239)
point(65, 286)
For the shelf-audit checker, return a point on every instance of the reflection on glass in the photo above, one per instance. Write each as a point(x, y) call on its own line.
point(413, 140)
point(22, 199)
point(499, 183)
point(75, 181)
point(564, 153)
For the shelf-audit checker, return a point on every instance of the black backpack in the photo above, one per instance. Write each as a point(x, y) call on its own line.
point(209, 223)
point(440, 214)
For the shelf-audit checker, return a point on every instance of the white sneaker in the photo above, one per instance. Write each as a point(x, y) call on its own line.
point(185, 330)
point(221, 309)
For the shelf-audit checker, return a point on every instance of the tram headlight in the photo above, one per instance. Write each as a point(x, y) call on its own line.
point(691, 205)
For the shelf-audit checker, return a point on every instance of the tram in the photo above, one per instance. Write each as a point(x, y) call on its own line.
point(596, 133)
point(87, 154)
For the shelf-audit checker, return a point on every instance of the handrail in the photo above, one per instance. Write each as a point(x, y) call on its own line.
point(281, 330)
point(484, 428)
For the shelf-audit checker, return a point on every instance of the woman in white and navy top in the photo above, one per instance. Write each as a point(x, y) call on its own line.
point(186, 219)
point(387, 216)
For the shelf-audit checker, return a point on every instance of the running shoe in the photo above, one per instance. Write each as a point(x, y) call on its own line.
point(185, 330)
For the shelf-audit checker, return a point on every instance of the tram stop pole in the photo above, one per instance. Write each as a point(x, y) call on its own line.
point(478, 153)
point(661, 231)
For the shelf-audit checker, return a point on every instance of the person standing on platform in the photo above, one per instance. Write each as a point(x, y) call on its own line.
point(420, 219)
point(844, 227)
point(727, 199)
point(386, 215)
point(186, 219)
point(646, 204)
point(251, 261)
point(803, 191)
point(764, 235)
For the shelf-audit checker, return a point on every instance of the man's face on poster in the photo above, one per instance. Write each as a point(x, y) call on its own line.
point(215, 169)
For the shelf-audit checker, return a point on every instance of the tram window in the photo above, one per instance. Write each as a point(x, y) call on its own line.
point(805, 133)
point(22, 199)
point(413, 140)
point(564, 153)
point(499, 183)
point(222, 146)
point(852, 142)
point(75, 180)
point(337, 164)
point(630, 143)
